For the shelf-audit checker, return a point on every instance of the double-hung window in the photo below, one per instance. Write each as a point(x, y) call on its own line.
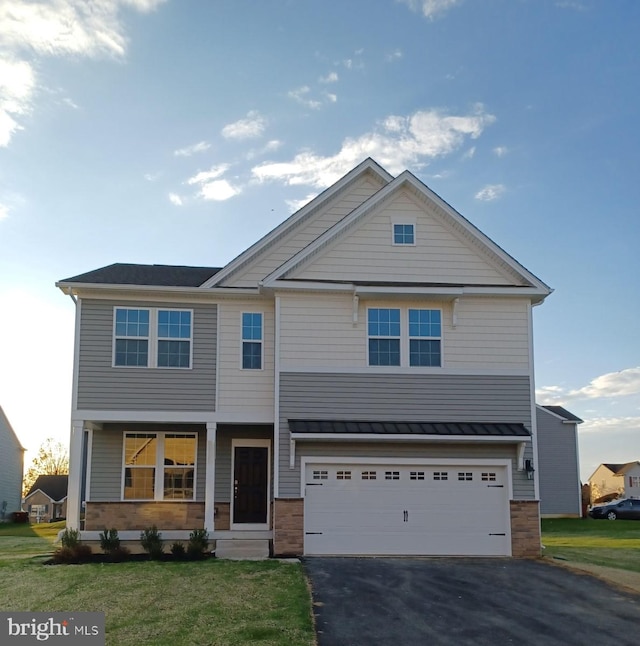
point(159, 466)
point(383, 326)
point(404, 337)
point(425, 332)
point(252, 335)
point(152, 337)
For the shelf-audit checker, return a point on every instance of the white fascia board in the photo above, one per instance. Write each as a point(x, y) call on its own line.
point(115, 290)
point(408, 437)
point(367, 165)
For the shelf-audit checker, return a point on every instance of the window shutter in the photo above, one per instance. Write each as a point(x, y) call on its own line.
point(630, 481)
point(46, 509)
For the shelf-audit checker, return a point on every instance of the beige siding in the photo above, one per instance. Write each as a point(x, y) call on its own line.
point(305, 232)
point(439, 255)
point(491, 334)
point(245, 390)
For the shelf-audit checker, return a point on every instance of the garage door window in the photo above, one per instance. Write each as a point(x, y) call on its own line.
point(343, 475)
point(416, 475)
point(465, 476)
point(488, 477)
point(320, 475)
point(392, 475)
point(368, 475)
point(440, 475)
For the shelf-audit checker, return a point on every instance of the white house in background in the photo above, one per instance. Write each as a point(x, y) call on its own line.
point(359, 381)
point(11, 469)
point(615, 480)
point(558, 462)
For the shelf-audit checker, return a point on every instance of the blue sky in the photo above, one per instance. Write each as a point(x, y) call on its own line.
point(170, 132)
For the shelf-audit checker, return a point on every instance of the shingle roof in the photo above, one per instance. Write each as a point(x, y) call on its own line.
point(157, 275)
point(563, 412)
point(54, 486)
point(408, 428)
point(614, 466)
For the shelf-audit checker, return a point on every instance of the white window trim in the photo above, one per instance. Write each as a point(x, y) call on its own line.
point(242, 341)
point(238, 442)
point(405, 339)
point(158, 488)
point(404, 220)
point(153, 337)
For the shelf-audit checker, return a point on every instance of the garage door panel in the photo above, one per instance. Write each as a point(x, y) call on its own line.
point(392, 510)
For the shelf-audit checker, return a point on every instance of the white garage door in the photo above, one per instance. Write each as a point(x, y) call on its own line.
point(402, 510)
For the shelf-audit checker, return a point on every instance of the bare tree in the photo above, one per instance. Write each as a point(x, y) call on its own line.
point(52, 460)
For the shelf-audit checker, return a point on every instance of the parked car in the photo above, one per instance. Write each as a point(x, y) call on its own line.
point(628, 509)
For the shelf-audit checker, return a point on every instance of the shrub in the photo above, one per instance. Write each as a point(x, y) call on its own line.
point(198, 543)
point(79, 553)
point(178, 550)
point(109, 541)
point(119, 554)
point(151, 541)
point(70, 538)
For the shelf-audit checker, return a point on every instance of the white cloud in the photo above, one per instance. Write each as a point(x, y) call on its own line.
point(219, 190)
point(469, 153)
point(188, 151)
point(296, 205)
point(54, 28)
point(175, 199)
point(269, 147)
point(490, 192)
point(331, 77)
point(500, 151)
point(4, 212)
point(612, 384)
point(301, 95)
point(397, 142)
point(430, 8)
point(610, 425)
point(395, 55)
point(207, 175)
point(211, 187)
point(250, 127)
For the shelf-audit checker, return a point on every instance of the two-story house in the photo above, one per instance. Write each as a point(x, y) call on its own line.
point(359, 381)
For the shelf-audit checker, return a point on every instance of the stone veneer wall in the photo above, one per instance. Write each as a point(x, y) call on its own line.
point(525, 529)
point(139, 515)
point(288, 526)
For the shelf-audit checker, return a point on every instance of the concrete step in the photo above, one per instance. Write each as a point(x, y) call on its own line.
point(242, 549)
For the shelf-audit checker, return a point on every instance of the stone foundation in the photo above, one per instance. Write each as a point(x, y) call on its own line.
point(140, 515)
point(222, 518)
point(288, 526)
point(525, 529)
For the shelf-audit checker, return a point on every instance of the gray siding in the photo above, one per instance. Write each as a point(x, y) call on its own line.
point(106, 462)
point(436, 398)
point(102, 387)
point(557, 466)
point(11, 464)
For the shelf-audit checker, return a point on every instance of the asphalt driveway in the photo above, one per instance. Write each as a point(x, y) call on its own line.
point(433, 602)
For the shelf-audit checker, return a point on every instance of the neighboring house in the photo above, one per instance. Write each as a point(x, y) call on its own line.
point(11, 468)
point(615, 480)
point(558, 462)
point(46, 501)
point(359, 381)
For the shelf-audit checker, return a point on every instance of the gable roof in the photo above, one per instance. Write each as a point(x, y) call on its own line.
point(149, 275)
point(564, 413)
point(53, 486)
point(625, 468)
point(455, 219)
point(7, 430)
point(367, 166)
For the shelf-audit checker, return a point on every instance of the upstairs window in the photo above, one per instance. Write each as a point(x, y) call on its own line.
point(152, 338)
point(383, 325)
point(425, 331)
point(404, 234)
point(252, 341)
point(132, 337)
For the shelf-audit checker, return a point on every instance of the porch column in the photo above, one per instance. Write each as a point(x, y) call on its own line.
point(74, 488)
point(210, 482)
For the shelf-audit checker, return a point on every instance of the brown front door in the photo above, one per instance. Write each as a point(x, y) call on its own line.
point(250, 484)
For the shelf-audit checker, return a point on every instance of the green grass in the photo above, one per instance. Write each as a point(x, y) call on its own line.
point(22, 540)
point(613, 544)
point(204, 602)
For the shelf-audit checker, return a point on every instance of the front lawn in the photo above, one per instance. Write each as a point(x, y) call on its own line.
point(160, 603)
point(614, 544)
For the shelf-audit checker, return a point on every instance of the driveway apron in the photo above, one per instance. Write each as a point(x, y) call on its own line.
point(444, 601)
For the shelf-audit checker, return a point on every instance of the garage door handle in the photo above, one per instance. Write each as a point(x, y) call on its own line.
point(406, 516)
point(313, 533)
point(503, 534)
point(496, 486)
